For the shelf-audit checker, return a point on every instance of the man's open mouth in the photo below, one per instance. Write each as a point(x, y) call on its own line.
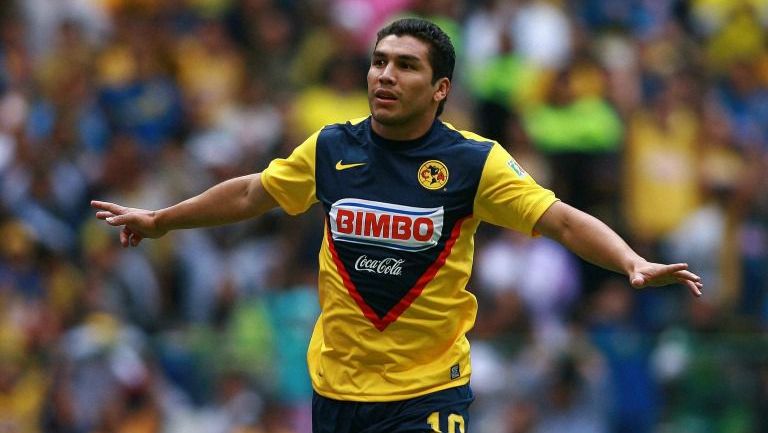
point(385, 95)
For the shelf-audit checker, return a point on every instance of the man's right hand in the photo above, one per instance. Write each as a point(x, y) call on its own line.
point(137, 223)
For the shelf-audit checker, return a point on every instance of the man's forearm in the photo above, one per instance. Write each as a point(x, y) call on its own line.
point(227, 202)
point(590, 239)
point(595, 242)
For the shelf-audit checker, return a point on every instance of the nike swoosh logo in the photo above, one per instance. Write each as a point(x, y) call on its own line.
point(340, 166)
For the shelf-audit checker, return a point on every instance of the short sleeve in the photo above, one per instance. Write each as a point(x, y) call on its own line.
point(291, 181)
point(508, 196)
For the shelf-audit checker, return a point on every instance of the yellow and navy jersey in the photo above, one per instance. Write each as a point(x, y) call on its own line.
point(397, 251)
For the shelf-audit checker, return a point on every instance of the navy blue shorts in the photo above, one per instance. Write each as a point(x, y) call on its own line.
point(442, 411)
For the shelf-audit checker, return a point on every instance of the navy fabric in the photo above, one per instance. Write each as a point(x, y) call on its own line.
point(406, 416)
point(388, 163)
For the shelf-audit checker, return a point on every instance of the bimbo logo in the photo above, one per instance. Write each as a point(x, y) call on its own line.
point(384, 224)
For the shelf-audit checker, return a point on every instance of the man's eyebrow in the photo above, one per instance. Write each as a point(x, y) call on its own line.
point(405, 57)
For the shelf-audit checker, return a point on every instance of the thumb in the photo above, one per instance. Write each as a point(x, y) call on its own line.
point(637, 281)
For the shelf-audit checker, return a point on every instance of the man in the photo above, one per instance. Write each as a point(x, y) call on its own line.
point(403, 194)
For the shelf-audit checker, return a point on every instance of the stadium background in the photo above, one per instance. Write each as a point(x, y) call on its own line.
point(652, 115)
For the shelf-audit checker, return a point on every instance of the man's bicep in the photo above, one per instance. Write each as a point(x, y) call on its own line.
point(553, 221)
point(258, 196)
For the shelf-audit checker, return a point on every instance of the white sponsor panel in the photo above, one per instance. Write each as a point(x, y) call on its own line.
point(385, 224)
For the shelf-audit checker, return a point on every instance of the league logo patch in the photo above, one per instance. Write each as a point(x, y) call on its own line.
point(433, 174)
point(516, 167)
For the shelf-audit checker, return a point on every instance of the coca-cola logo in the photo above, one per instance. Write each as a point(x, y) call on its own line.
point(385, 266)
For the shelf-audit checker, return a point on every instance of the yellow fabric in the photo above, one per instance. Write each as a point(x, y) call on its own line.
point(21, 407)
point(213, 79)
point(507, 198)
point(291, 181)
point(661, 171)
point(320, 105)
point(115, 66)
point(351, 360)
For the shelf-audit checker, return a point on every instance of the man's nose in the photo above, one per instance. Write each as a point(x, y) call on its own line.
point(387, 74)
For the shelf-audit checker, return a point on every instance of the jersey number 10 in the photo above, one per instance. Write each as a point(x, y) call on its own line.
point(455, 422)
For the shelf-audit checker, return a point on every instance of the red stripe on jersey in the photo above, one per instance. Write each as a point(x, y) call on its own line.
point(416, 290)
point(367, 310)
point(413, 293)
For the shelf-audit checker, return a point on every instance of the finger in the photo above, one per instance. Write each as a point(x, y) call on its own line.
point(124, 236)
point(135, 239)
point(102, 215)
point(105, 205)
point(694, 288)
point(638, 281)
point(116, 220)
point(687, 275)
point(673, 268)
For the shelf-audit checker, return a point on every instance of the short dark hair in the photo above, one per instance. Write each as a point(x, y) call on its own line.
point(442, 55)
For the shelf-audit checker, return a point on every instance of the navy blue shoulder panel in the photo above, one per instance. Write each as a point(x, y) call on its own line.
point(392, 175)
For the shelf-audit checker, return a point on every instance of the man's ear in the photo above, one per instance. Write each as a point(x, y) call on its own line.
point(442, 88)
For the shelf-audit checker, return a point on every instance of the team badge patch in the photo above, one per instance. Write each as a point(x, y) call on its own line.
point(433, 174)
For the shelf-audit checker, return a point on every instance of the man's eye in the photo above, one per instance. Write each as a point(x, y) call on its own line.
point(379, 63)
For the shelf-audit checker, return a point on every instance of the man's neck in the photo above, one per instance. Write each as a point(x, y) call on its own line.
point(401, 132)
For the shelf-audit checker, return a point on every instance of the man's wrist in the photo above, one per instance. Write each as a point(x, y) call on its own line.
point(633, 264)
point(160, 220)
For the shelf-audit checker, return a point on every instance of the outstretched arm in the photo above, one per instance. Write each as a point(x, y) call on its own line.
point(227, 202)
point(596, 243)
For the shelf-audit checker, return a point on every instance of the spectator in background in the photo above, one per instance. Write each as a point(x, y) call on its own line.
point(339, 97)
point(362, 18)
point(23, 380)
point(705, 381)
point(542, 33)
point(446, 14)
point(293, 310)
point(145, 104)
point(269, 35)
point(46, 17)
point(540, 273)
point(502, 85)
point(662, 165)
point(571, 403)
point(210, 71)
point(325, 39)
point(618, 331)
point(579, 132)
point(710, 232)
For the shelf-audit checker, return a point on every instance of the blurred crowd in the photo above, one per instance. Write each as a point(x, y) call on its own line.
point(650, 114)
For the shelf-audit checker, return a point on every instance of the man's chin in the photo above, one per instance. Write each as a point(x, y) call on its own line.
point(385, 118)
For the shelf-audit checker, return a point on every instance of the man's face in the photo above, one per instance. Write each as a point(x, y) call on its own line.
point(400, 89)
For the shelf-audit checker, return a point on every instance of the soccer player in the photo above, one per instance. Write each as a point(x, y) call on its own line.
point(402, 193)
